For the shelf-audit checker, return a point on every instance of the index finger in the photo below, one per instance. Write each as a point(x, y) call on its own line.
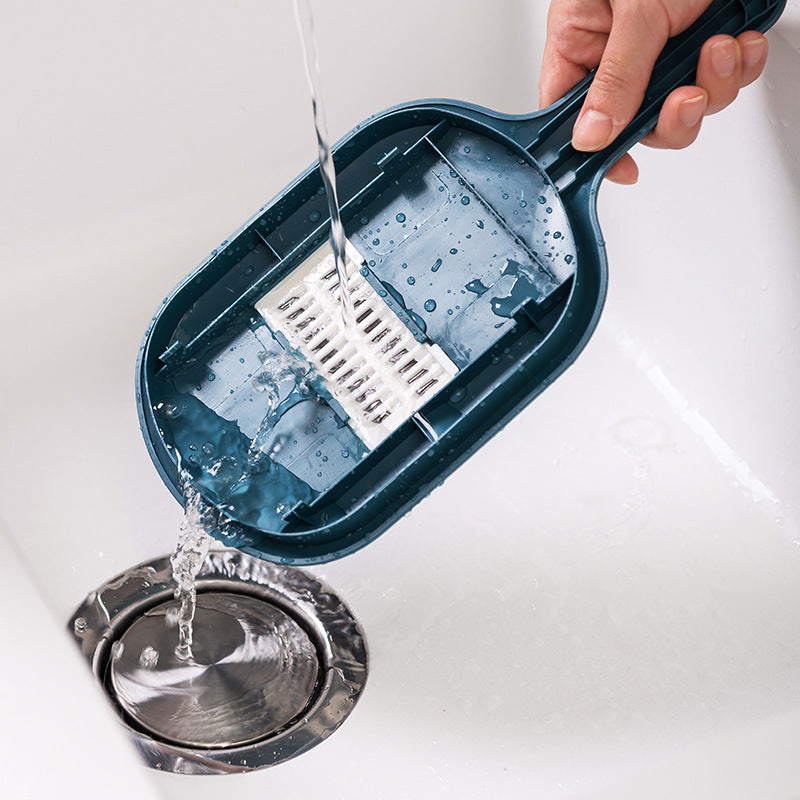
point(558, 75)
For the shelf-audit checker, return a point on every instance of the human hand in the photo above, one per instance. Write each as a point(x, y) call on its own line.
point(622, 39)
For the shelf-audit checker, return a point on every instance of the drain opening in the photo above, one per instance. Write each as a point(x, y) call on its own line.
point(254, 672)
point(279, 663)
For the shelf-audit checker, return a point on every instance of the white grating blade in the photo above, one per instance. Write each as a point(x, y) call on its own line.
point(377, 371)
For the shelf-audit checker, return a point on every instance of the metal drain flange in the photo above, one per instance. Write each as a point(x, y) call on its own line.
point(278, 663)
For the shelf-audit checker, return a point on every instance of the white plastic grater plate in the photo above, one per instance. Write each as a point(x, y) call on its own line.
point(375, 369)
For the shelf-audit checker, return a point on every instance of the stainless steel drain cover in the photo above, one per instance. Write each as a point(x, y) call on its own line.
point(254, 670)
point(279, 662)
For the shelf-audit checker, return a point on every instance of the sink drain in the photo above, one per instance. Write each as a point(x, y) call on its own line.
point(278, 663)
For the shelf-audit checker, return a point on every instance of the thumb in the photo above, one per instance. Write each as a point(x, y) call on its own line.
point(639, 32)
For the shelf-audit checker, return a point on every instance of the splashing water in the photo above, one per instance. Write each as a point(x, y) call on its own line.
point(190, 553)
point(281, 374)
point(305, 26)
point(279, 369)
point(148, 659)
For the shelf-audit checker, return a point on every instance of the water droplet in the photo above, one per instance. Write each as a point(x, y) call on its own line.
point(465, 201)
point(477, 287)
point(450, 311)
point(568, 258)
point(466, 149)
point(458, 395)
point(314, 216)
point(376, 241)
point(79, 626)
point(148, 658)
point(372, 262)
point(208, 449)
point(505, 195)
point(557, 235)
point(170, 411)
point(249, 270)
point(436, 265)
point(345, 453)
point(400, 217)
point(364, 220)
point(410, 280)
point(430, 305)
point(522, 203)
point(542, 199)
point(364, 271)
point(453, 251)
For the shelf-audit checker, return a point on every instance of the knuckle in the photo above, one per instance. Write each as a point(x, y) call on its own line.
point(561, 36)
point(611, 81)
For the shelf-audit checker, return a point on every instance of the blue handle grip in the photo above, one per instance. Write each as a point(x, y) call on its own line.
point(676, 66)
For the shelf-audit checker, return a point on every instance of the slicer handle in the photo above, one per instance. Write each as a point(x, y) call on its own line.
point(676, 66)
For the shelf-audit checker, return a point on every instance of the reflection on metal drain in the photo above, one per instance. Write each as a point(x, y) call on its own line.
point(254, 670)
point(279, 662)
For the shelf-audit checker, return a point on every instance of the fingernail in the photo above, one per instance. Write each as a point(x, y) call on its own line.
point(753, 52)
point(592, 131)
point(691, 111)
point(723, 58)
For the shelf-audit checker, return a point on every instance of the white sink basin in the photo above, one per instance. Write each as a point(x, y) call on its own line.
point(603, 602)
